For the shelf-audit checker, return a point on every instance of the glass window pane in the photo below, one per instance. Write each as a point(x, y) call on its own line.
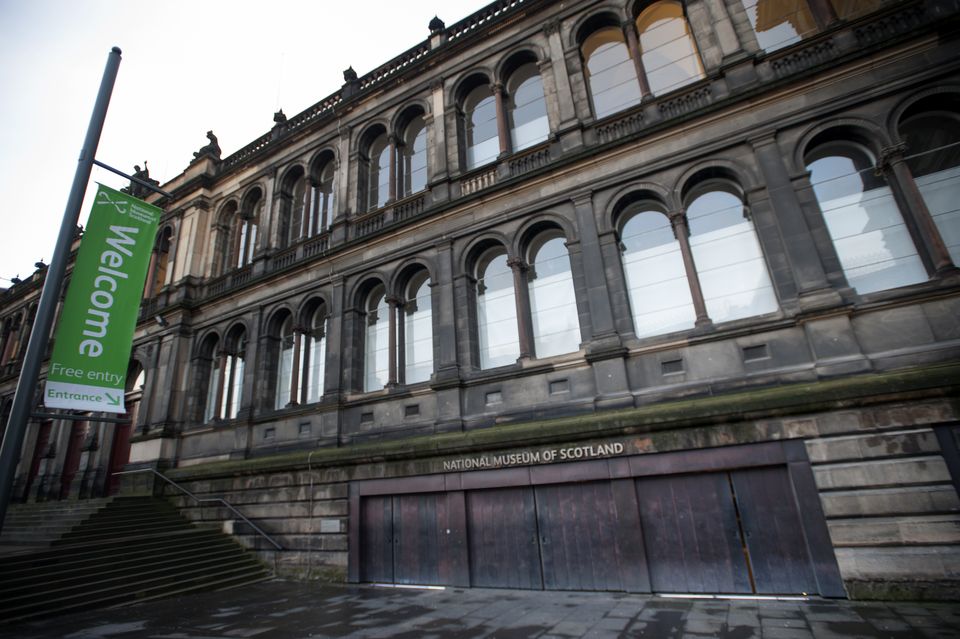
point(236, 362)
point(779, 23)
point(213, 387)
point(669, 55)
point(610, 72)
point(733, 274)
point(497, 315)
point(656, 278)
point(553, 303)
point(873, 245)
point(418, 335)
point(528, 115)
point(377, 347)
point(284, 371)
point(483, 142)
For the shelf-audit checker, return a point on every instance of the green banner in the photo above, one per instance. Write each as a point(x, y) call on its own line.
point(91, 353)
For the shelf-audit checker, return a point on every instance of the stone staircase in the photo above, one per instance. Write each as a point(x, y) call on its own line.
point(126, 549)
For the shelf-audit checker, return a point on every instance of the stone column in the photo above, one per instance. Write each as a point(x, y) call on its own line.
point(679, 222)
point(503, 131)
point(798, 243)
point(394, 305)
point(910, 200)
point(633, 45)
point(445, 318)
point(392, 189)
point(595, 277)
point(521, 296)
point(564, 96)
point(295, 365)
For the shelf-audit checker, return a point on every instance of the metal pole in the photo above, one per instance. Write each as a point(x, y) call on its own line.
point(39, 336)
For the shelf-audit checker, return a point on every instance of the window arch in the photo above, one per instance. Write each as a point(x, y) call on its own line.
point(376, 160)
point(224, 377)
point(245, 228)
point(415, 342)
point(323, 199)
point(931, 130)
point(872, 241)
point(293, 220)
point(498, 337)
point(284, 392)
point(376, 345)
point(657, 285)
point(314, 354)
point(412, 176)
point(160, 262)
point(553, 304)
point(480, 125)
point(729, 262)
point(667, 50)
point(610, 73)
point(526, 107)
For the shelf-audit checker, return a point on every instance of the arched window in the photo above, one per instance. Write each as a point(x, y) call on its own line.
point(284, 364)
point(480, 126)
point(779, 23)
point(527, 107)
point(933, 143)
point(611, 74)
point(245, 230)
point(660, 298)
point(162, 260)
point(499, 340)
point(872, 242)
point(323, 202)
point(669, 55)
point(416, 344)
point(553, 304)
point(313, 359)
point(377, 164)
point(293, 220)
point(224, 383)
point(413, 166)
point(729, 262)
point(376, 368)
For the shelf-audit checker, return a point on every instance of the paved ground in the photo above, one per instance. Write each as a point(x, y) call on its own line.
point(285, 610)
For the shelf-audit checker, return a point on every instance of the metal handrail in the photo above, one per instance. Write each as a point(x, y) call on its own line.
point(202, 500)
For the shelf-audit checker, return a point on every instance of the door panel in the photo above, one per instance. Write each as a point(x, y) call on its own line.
point(376, 539)
point(416, 547)
point(691, 534)
point(502, 531)
point(774, 535)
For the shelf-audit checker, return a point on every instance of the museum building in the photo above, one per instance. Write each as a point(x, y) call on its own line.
point(649, 296)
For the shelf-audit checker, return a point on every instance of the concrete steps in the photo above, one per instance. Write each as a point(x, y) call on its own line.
point(130, 549)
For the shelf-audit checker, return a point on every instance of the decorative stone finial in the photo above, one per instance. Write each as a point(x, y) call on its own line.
point(212, 148)
point(436, 26)
point(350, 75)
point(279, 117)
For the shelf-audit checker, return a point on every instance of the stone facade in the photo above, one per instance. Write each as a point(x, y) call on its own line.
point(367, 232)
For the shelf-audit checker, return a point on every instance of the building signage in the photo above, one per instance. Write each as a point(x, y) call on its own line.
point(542, 456)
point(91, 350)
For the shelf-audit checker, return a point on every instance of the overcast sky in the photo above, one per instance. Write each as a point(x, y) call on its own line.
point(188, 66)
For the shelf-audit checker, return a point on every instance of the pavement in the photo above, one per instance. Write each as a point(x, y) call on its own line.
point(290, 610)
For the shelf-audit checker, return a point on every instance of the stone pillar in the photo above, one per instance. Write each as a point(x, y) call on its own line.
point(633, 45)
point(295, 366)
point(597, 294)
point(394, 305)
point(564, 96)
point(446, 326)
point(521, 295)
point(503, 131)
point(392, 189)
point(679, 222)
point(722, 27)
point(910, 200)
point(797, 241)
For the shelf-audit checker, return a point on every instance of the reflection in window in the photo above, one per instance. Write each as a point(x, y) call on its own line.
point(779, 23)
point(656, 278)
point(733, 274)
point(933, 140)
point(224, 391)
point(284, 366)
point(418, 332)
point(314, 356)
point(873, 244)
point(528, 108)
point(377, 343)
point(496, 313)
point(553, 304)
point(378, 173)
point(847, 9)
point(480, 119)
point(414, 158)
point(669, 55)
point(611, 75)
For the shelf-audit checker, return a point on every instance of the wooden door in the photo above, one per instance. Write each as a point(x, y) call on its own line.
point(376, 539)
point(503, 544)
point(416, 558)
point(586, 542)
point(773, 532)
point(691, 535)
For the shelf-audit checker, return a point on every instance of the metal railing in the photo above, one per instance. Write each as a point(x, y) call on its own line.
point(200, 501)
